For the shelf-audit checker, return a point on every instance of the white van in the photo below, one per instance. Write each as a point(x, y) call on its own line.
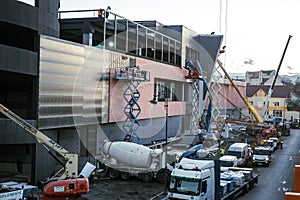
point(240, 150)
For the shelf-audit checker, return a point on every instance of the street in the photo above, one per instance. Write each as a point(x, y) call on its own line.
point(278, 178)
point(273, 181)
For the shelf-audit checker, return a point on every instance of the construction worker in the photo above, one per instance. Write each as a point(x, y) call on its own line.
point(222, 152)
point(281, 143)
point(279, 134)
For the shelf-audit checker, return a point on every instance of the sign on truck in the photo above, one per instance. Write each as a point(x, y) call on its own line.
point(18, 191)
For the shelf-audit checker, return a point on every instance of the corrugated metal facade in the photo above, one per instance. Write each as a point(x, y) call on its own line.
point(74, 83)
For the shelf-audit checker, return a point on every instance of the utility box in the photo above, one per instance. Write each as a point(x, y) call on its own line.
point(297, 178)
point(292, 196)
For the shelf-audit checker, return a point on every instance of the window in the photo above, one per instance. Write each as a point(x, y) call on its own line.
point(204, 186)
point(173, 90)
point(277, 113)
point(191, 54)
point(160, 90)
point(276, 103)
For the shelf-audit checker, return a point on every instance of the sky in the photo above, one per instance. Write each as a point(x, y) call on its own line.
point(253, 29)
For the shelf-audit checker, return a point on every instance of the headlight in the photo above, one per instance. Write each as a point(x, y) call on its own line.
point(267, 159)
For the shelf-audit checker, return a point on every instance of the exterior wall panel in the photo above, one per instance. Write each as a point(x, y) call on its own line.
point(74, 83)
point(18, 60)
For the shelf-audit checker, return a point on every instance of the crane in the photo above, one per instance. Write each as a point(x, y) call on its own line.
point(249, 106)
point(265, 110)
point(68, 184)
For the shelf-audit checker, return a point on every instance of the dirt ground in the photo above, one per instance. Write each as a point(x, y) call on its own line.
point(117, 189)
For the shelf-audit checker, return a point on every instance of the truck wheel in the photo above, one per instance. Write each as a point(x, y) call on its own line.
point(147, 177)
point(125, 175)
point(113, 173)
point(163, 176)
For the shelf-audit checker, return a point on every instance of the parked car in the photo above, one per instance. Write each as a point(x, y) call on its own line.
point(276, 140)
point(272, 145)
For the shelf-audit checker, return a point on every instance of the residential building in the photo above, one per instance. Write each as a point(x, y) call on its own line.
point(262, 77)
point(278, 103)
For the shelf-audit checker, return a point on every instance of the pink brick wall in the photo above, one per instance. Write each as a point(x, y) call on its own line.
point(146, 89)
point(230, 93)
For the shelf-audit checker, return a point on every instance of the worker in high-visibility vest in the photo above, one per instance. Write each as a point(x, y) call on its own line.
point(222, 152)
point(281, 143)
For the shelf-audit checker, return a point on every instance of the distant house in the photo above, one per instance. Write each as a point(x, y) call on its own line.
point(257, 96)
point(263, 77)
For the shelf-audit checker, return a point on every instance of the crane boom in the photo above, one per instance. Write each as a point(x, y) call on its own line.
point(71, 165)
point(265, 110)
point(249, 106)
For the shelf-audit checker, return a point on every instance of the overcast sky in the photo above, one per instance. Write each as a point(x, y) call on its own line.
point(255, 29)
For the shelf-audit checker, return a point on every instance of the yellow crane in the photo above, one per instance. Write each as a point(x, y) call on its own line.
point(249, 106)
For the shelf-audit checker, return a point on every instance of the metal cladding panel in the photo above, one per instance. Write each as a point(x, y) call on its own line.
point(74, 83)
point(210, 45)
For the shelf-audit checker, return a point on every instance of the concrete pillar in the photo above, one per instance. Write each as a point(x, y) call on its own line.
point(87, 38)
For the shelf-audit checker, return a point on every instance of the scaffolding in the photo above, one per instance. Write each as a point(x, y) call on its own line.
point(132, 76)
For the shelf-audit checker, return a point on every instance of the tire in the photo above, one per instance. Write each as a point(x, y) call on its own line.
point(113, 173)
point(163, 176)
point(147, 177)
point(125, 176)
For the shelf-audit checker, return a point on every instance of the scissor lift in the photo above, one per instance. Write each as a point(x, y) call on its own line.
point(193, 77)
point(132, 76)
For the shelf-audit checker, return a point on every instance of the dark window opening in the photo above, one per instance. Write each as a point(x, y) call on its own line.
point(18, 93)
point(18, 36)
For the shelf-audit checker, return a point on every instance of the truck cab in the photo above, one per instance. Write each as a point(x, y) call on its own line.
point(227, 161)
point(261, 156)
point(192, 179)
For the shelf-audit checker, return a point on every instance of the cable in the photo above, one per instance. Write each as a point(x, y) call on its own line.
point(220, 17)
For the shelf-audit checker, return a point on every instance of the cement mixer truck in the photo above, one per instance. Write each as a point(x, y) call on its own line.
point(125, 159)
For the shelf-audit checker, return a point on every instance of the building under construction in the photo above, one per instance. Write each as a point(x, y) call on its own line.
point(81, 80)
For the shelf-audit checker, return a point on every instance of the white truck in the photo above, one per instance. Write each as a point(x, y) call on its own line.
point(201, 179)
point(18, 191)
point(261, 156)
point(227, 161)
point(240, 150)
point(126, 159)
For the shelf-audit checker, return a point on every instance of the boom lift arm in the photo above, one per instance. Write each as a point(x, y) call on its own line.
point(71, 160)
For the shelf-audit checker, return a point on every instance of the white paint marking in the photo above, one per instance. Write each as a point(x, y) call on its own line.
point(291, 158)
point(283, 182)
point(285, 189)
